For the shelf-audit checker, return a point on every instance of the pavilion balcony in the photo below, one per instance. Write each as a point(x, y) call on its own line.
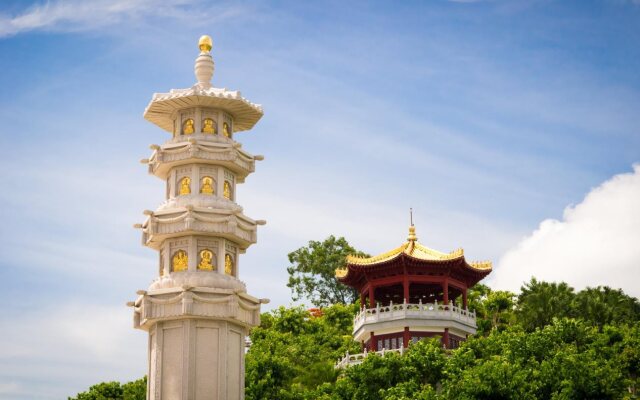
point(435, 315)
point(354, 359)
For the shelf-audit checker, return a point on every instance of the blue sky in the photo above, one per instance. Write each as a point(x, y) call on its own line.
point(511, 127)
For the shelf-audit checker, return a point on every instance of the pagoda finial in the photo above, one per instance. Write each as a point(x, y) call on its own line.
point(412, 229)
point(204, 63)
point(205, 43)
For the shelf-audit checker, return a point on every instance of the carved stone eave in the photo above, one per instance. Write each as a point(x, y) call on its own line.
point(215, 304)
point(237, 227)
point(198, 201)
point(164, 105)
point(228, 155)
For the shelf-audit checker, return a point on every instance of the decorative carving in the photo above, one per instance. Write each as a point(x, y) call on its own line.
point(226, 131)
point(228, 264)
point(207, 185)
point(205, 264)
point(227, 190)
point(187, 127)
point(209, 126)
point(185, 185)
point(179, 261)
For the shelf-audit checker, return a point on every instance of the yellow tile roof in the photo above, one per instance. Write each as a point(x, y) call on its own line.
point(414, 249)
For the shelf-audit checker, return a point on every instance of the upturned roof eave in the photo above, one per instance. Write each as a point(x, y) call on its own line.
point(360, 269)
point(162, 106)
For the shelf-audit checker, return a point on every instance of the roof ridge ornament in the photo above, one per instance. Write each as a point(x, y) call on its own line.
point(412, 234)
point(204, 65)
point(412, 229)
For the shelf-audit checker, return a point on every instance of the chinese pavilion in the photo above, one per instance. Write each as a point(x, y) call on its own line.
point(197, 311)
point(410, 293)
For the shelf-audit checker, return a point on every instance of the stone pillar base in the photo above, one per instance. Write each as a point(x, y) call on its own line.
point(196, 359)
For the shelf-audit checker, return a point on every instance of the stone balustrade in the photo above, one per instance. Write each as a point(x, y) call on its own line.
point(355, 359)
point(425, 311)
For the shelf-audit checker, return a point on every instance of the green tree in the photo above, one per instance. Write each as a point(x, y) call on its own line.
point(476, 297)
point(499, 307)
point(603, 305)
point(312, 272)
point(136, 390)
point(527, 356)
point(293, 353)
point(626, 345)
point(540, 302)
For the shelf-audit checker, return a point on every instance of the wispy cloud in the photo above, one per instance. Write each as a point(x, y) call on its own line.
point(58, 341)
point(596, 243)
point(75, 15)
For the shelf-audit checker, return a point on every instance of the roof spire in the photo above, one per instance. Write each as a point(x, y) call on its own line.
point(412, 229)
point(204, 63)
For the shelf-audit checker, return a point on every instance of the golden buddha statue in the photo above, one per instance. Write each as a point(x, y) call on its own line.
point(228, 264)
point(227, 190)
point(205, 260)
point(225, 130)
point(180, 261)
point(208, 126)
point(207, 185)
point(187, 127)
point(185, 186)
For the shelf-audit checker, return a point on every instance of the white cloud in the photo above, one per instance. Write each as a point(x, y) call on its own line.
point(68, 347)
point(596, 243)
point(70, 15)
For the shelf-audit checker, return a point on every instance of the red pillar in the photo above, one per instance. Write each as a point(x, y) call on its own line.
point(406, 337)
point(405, 287)
point(373, 346)
point(445, 338)
point(445, 292)
point(372, 300)
point(464, 298)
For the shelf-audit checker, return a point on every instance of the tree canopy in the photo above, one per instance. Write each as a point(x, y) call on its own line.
point(564, 358)
point(586, 346)
point(136, 390)
point(546, 342)
point(312, 272)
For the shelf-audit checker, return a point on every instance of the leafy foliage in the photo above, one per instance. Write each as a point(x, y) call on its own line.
point(548, 342)
point(540, 302)
point(136, 390)
point(312, 272)
point(293, 351)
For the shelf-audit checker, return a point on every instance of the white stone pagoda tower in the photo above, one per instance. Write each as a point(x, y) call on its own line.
point(197, 311)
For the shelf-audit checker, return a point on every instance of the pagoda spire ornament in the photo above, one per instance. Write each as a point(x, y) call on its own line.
point(197, 311)
point(204, 63)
